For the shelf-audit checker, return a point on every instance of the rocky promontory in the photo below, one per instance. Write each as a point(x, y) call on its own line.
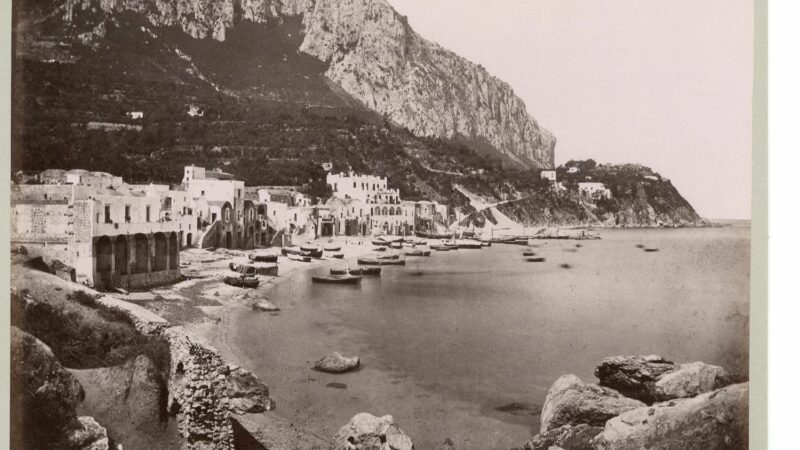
point(645, 402)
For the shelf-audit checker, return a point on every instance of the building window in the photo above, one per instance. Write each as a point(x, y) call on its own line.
point(108, 214)
point(147, 214)
point(202, 193)
point(335, 187)
point(127, 213)
point(354, 184)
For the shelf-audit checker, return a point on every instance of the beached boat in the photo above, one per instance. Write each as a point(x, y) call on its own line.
point(528, 253)
point(337, 279)
point(434, 235)
point(357, 271)
point(337, 255)
point(381, 262)
point(651, 250)
point(389, 256)
point(313, 251)
point(341, 272)
point(286, 251)
point(418, 252)
point(396, 245)
point(379, 249)
point(332, 248)
point(296, 257)
point(263, 258)
point(379, 243)
point(442, 247)
point(373, 271)
point(256, 268)
point(245, 277)
point(469, 243)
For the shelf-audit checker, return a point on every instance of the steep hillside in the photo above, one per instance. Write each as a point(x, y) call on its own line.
point(364, 48)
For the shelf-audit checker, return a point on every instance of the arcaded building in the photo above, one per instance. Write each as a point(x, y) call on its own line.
point(109, 235)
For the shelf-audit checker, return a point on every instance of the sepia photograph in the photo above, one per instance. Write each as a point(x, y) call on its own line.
point(383, 224)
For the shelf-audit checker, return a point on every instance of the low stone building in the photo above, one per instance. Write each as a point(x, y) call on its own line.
point(109, 236)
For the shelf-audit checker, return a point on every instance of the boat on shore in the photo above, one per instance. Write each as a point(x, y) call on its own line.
point(379, 249)
point(256, 268)
point(381, 262)
point(286, 251)
point(435, 235)
point(245, 277)
point(417, 252)
point(469, 244)
point(442, 247)
point(396, 245)
point(389, 256)
point(263, 258)
point(296, 257)
point(332, 248)
point(315, 251)
point(337, 279)
point(528, 253)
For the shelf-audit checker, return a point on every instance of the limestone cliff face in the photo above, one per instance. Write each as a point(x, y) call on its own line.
point(377, 58)
point(374, 55)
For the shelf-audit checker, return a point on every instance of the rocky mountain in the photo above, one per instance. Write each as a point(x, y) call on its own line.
point(372, 54)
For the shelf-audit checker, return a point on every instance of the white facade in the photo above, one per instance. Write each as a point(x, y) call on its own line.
point(594, 189)
point(573, 169)
point(364, 188)
point(549, 175)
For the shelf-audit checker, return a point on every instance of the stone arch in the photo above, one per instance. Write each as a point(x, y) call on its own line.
point(385, 227)
point(103, 253)
point(141, 253)
point(174, 245)
point(161, 252)
point(385, 211)
point(121, 255)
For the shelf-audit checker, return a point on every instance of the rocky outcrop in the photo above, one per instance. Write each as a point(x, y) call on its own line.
point(46, 395)
point(375, 56)
point(713, 421)
point(634, 376)
point(653, 378)
point(336, 363)
point(245, 392)
point(689, 380)
point(264, 305)
point(570, 401)
point(578, 437)
point(367, 432)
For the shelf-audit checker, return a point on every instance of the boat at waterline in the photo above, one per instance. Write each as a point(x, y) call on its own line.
point(537, 259)
point(443, 247)
point(417, 252)
point(358, 271)
point(337, 255)
point(241, 280)
point(314, 251)
point(528, 253)
point(295, 257)
point(332, 248)
point(381, 262)
point(469, 243)
point(389, 256)
point(396, 245)
point(286, 251)
point(337, 279)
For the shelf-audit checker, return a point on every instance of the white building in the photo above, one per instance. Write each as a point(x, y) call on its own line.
point(548, 174)
point(573, 169)
point(594, 189)
point(364, 188)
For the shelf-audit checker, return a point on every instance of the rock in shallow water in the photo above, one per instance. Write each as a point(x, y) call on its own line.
point(265, 305)
point(713, 421)
point(367, 432)
point(336, 363)
point(570, 401)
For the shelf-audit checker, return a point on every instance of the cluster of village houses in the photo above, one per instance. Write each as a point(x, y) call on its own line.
point(109, 232)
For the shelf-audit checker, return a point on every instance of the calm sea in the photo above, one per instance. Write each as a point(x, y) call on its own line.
point(447, 341)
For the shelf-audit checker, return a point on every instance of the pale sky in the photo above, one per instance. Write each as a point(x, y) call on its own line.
point(664, 83)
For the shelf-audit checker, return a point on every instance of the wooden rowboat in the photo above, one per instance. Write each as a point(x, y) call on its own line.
point(381, 262)
point(337, 279)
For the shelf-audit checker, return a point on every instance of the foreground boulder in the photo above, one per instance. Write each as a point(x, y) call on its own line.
point(90, 435)
point(713, 421)
point(690, 380)
point(634, 376)
point(336, 363)
point(367, 432)
point(42, 392)
point(570, 401)
point(578, 437)
point(246, 393)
